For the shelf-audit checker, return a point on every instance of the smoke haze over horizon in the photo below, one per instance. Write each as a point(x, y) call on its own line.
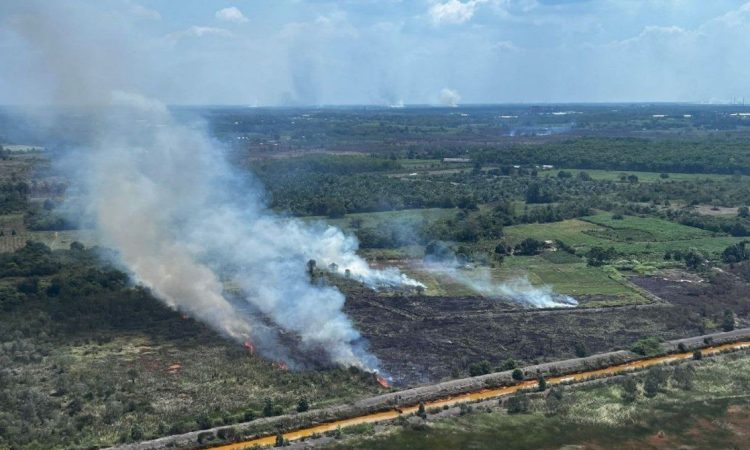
point(391, 52)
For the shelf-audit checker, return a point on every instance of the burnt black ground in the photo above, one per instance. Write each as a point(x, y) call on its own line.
point(423, 339)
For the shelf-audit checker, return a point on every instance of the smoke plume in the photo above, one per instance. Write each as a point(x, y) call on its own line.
point(449, 97)
point(185, 223)
point(480, 280)
point(182, 220)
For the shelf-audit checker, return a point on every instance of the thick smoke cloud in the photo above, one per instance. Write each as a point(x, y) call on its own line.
point(186, 224)
point(182, 220)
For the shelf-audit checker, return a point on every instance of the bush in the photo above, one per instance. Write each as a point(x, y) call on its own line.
point(205, 436)
point(529, 246)
point(541, 383)
point(647, 346)
point(517, 374)
point(480, 368)
point(518, 404)
point(303, 405)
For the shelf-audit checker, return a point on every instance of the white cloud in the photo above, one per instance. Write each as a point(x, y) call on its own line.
point(142, 12)
point(449, 97)
point(506, 46)
point(199, 32)
point(231, 14)
point(453, 11)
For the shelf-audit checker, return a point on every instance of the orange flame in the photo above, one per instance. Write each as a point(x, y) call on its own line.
point(382, 381)
point(249, 347)
point(281, 365)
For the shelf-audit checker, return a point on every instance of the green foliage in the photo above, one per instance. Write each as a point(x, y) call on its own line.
point(647, 346)
point(598, 256)
point(517, 404)
point(727, 322)
point(517, 374)
point(480, 368)
point(303, 405)
point(736, 253)
point(580, 349)
point(529, 246)
point(541, 383)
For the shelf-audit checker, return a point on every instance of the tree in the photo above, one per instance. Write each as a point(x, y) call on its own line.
point(727, 323)
point(302, 405)
point(693, 259)
point(555, 403)
point(136, 432)
point(517, 374)
point(509, 364)
point(743, 211)
point(580, 349)
point(598, 256)
point(480, 368)
point(736, 253)
point(564, 174)
point(629, 390)
point(420, 411)
point(647, 346)
point(268, 408)
point(651, 387)
point(683, 376)
point(279, 439)
point(518, 404)
point(529, 246)
point(541, 383)
point(663, 176)
point(632, 179)
point(697, 355)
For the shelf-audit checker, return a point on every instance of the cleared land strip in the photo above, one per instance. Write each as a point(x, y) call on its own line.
point(392, 405)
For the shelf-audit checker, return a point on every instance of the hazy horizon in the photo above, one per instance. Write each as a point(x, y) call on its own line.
point(388, 53)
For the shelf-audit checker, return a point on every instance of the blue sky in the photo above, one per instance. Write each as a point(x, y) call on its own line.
point(298, 52)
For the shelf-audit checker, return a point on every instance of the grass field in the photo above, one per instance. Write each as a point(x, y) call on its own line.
point(644, 238)
point(646, 177)
point(566, 274)
point(713, 413)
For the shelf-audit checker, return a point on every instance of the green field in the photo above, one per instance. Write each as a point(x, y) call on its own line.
point(638, 239)
point(644, 238)
point(647, 177)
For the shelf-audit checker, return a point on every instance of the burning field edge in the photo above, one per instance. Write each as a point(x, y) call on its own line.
point(398, 401)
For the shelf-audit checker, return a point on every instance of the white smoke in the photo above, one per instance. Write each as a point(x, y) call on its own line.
point(184, 222)
point(449, 97)
point(161, 194)
point(519, 289)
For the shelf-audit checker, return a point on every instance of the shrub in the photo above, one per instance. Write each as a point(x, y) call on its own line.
point(480, 368)
point(541, 383)
point(517, 374)
point(518, 403)
point(647, 346)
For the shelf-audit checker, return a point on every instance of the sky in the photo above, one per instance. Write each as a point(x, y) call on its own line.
point(382, 52)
